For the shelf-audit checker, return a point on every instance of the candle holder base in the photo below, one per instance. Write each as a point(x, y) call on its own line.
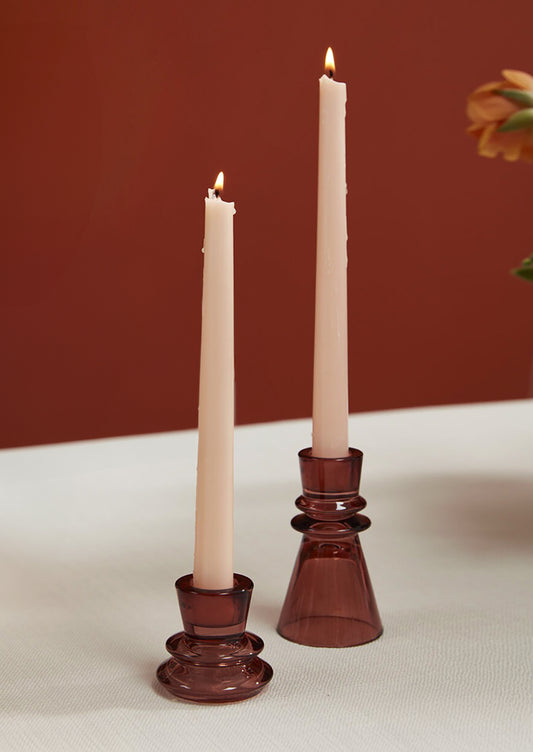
point(330, 601)
point(214, 659)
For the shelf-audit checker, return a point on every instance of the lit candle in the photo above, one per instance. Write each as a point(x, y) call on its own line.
point(330, 382)
point(213, 553)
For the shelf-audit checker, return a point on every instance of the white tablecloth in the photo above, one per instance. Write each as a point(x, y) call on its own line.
point(95, 533)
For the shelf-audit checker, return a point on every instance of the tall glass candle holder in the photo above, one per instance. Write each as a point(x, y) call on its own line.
point(330, 601)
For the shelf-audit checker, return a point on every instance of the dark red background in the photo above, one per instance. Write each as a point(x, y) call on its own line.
point(117, 116)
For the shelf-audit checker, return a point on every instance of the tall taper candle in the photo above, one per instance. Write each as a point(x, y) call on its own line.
point(213, 553)
point(330, 383)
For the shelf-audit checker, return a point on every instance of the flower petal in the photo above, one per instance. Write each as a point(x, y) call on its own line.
point(485, 146)
point(526, 152)
point(488, 87)
point(519, 78)
point(512, 146)
point(487, 108)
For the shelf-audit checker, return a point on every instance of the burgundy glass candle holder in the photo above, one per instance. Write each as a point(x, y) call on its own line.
point(214, 659)
point(330, 601)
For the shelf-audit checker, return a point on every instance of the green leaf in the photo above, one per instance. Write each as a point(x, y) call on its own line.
point(517, 95)
point(520, 120)
point(524, 272)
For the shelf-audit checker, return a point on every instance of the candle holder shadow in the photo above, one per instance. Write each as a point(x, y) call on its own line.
point(214, 659)
point(330, 601)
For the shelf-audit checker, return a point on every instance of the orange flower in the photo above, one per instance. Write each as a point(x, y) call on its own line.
point(502, 117)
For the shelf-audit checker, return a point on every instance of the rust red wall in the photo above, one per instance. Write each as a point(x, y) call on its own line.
point(117, 116)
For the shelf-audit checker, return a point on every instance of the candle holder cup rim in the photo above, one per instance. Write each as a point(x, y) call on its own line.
point(241, 584)
point(353, 454)
point(330, 479)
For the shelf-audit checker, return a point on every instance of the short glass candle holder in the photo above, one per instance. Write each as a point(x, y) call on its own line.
point(214, 659)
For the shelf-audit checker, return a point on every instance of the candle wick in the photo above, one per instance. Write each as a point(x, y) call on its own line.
point(217, 193)
point(330, 73)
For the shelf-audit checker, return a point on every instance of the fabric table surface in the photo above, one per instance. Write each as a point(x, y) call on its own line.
point(95, 533)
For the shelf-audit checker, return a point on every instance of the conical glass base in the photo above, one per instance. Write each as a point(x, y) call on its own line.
point(330, 601)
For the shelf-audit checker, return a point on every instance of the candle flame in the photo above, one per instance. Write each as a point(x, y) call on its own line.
point(219, 182)
point(330, 62)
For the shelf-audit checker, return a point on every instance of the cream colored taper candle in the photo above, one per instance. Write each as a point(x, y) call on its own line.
point(213, 553)
point(330, 383)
